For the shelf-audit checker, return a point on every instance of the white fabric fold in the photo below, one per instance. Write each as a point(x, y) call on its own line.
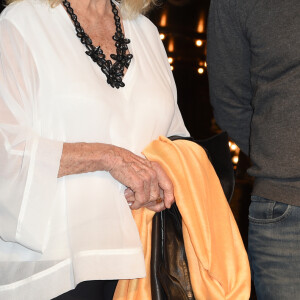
point(28, 181)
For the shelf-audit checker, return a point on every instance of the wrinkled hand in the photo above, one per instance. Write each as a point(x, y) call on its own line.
point(146, 181)
point(166, 191)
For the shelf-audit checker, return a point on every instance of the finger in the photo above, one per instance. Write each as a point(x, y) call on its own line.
point(129, 195)
point(169, 198)
point(142, 190)
point(150, 177)
point(157, 207)
point(154, 186)
point(147, 178)
point(136, 184)
point(139, 196)
point(165, 184)
point(151, 187)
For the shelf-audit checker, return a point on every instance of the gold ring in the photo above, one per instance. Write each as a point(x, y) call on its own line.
point(159, 200)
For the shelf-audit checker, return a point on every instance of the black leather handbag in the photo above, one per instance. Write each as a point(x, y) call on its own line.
point(170, 278)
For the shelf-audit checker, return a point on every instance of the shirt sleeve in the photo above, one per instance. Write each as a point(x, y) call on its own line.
point(29, 163)
point(228, 58)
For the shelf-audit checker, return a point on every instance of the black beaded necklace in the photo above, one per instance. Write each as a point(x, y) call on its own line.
point(114, 71)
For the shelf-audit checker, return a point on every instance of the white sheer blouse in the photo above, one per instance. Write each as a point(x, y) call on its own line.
point(55, 233)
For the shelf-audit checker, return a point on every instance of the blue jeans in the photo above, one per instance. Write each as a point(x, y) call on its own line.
point(274, 249)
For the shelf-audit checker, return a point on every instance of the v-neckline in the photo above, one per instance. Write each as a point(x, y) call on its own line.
point(127, 32)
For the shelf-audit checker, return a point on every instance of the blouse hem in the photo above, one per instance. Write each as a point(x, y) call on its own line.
point(61, 277)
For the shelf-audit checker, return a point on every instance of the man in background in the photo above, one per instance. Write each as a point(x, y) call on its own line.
point(254, 77)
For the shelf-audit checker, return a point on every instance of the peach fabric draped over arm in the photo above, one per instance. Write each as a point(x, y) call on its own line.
point(217, 259)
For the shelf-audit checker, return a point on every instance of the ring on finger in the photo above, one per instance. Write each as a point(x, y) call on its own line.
point(159, 200)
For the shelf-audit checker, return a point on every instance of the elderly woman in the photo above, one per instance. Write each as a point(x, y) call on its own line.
point(85, 85)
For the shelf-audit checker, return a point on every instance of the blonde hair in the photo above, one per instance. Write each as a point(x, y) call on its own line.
point(129, 8)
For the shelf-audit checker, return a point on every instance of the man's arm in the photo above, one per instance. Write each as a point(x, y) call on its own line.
point(228, 57)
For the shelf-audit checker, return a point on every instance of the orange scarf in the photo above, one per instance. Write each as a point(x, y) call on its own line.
point(217, 259)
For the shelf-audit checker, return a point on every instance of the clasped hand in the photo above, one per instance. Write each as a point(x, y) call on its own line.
point(146, 181)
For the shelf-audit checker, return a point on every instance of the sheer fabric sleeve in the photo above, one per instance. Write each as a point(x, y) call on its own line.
point(29, 163)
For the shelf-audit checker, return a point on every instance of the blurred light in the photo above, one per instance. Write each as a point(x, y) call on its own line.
point(171, 45)
point(205, 64)
point(233, 147)
point(162, 36)
point(201, 63)
point(163, 20)
point(170, 59)
point(201, 23)
point(199, 43)
point(235, 159)
point(229, 143)
point(172, 68)
point(200, 70)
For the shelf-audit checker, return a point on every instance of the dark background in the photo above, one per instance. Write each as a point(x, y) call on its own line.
point(183, 22)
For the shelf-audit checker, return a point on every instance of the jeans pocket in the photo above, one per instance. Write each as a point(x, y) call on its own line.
point(265, 211)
